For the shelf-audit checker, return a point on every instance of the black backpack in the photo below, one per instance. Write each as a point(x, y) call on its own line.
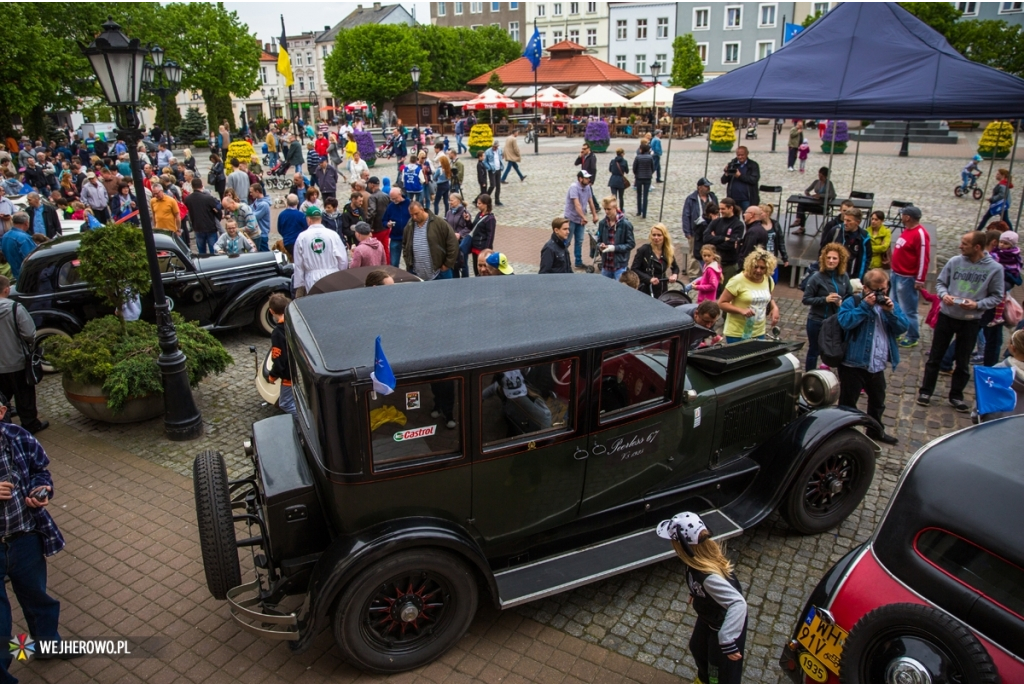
point(832, 339)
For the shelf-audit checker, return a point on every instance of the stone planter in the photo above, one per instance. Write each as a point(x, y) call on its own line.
point(987, 154)
point(371, 161)
point(827, 147)
point(721, 147)
point(475, 150)
point(91, 401)
point(598, 146)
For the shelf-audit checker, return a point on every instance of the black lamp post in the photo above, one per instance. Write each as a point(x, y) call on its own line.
point(161, 78)
point(118, 63)
point(655, 70)
point(314, 104)
point(415, 73)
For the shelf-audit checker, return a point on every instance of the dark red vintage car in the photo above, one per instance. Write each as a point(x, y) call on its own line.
point(936, 595)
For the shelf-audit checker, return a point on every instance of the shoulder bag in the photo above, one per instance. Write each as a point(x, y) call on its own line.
point(33, 360)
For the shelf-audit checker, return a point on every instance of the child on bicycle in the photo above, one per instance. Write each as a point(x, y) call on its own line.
point(971, 171)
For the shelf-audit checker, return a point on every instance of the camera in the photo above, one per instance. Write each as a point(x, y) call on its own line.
point(732, 168)
point(881, 298)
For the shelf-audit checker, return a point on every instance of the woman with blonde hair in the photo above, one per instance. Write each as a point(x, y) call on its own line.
point(654, 263)
point(747, 298)
point(190, 161)
point(720, 633)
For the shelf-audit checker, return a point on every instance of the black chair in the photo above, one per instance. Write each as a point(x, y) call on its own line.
point(778, 204)
point(892, 219)
point(861, 195)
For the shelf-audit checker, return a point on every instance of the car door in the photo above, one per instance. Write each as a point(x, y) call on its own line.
point(529, 450)
point(637, 443)
point(185, 290)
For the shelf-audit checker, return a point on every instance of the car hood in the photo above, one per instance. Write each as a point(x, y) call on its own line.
point(213, 263)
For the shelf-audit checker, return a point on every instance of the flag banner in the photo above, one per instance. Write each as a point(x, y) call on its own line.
point(382, 376)
point(533, 49)
point(790, 31)
point(284, 61)
point(994, 389)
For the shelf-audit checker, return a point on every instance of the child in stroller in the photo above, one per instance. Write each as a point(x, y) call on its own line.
point(751, 130)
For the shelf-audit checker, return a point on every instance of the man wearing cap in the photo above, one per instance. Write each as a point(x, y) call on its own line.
point(95, 196)
point(911, 258)
point(494, 163)
point(42, 217)
point(497, 265)
point(319, 252)
point(430, 247)
point(368, 250)
point(377, 203)
point(578, 201)
point(694, 222)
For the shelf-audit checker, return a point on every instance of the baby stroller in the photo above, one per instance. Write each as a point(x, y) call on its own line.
point(595, 254)
point(751, 130)
point(275, 178)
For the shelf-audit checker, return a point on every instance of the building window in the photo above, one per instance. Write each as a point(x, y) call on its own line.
point(540, 10)
point(730, 53)
point(591, 7)
point(641, 64)
point(765, 48)
point(557, 36)
point(620, 62)
point(476, 7)
point(441, 9)
point(543, 39)
point(458, 7)
point(476, 27)
point(641, 29)
point(263, 75)
point(702, 19)
point(663, 27)
point(302, 84)
point(969, 9)
point(662, 59)
point(574, 8)
point(702, 50)
point(558, 9)
point(820, 8)
point(591, 38)
point(1010, 7)
point(495, 6)
point(513, 5)
point(734, 17)
point(574, 35)
point(312, 85)
point(513, 30)
point(323, 51)
point(767, 18)
point(309, 58)
point(621, 29)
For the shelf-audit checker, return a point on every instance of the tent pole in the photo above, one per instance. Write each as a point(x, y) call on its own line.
point(707, 153)
point(828, 179)
point(856, 156)
point(668, 156)
point(1013, 150)
point(988, 179)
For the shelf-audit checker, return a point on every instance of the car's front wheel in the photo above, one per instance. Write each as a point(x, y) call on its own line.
point(405, 611)
point(42, 336)
point(263, 321)
point(831, 484)
point(913, 643)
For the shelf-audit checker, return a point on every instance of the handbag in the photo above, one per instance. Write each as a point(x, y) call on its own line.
point(625, 183)
point(33, 360)
point(887, 259)
point(1012, 311)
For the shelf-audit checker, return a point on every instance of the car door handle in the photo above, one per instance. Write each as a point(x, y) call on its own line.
point(580, 454)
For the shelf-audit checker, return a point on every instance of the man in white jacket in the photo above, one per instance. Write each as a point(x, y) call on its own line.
point(318, 252)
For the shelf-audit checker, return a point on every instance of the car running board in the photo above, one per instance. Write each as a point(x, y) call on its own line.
point(557, 574)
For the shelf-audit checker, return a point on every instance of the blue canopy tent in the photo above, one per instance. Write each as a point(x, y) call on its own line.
point(862, 60)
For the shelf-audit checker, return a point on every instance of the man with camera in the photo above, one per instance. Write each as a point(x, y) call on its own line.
point(872, 323)
point(694, 222)
point(741, 177)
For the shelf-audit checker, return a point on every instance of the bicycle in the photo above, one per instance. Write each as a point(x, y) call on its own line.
point(972, 186)
point(530, 135)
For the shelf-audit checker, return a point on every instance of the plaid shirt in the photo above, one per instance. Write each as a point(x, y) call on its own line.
point(22, 455)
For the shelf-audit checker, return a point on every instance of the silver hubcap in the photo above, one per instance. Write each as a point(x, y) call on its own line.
point(409, 613)
point(907, 671)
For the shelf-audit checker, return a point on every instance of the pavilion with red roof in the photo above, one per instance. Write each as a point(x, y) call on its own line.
point(566, 68)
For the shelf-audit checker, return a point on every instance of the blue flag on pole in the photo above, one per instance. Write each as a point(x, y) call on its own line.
point(382, 376)
point(533, 49)
point(790, 31)
point(993, 388)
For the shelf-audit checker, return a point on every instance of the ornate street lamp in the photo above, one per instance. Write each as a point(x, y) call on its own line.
point(655, 70)
point(415, 74)
point(118, 63)
point(314, 104)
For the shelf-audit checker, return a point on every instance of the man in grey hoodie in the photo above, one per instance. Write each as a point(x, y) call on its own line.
point(15, 335)
point(969, 284)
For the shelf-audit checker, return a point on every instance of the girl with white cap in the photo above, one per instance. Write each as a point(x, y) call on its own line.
point(720, 635)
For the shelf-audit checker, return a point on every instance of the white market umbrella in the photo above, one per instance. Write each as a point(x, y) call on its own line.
point(599, 96)
point(491, 99)
point(549, 97)
point(655, 96)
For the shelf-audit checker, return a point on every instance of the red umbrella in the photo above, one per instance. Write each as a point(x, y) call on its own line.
point(491, 99)
point(549, 97)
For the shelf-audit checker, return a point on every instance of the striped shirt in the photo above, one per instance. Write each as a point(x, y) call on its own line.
point(422, 264)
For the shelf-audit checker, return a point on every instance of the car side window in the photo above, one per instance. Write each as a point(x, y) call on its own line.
point(975, 567)
point(635, 376)
point(417, 423)
point(528, 402)
point(170, 262)
point(68, 274)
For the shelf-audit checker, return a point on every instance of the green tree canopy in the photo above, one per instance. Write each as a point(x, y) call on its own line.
point(372, 63)
point(687, 68)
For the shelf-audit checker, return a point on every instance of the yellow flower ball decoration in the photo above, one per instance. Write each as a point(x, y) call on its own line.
point(722, 131)
point(998, 137)
point(480, 138)
point(240, 149)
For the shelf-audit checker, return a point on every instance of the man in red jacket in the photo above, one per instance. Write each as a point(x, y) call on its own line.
point(911, 256)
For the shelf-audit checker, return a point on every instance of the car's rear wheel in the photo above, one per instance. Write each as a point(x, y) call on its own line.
point(913, 643)
point(831, 484)
point(263, 321)
point(215, 523)
point(405, 610)
point(42, 335)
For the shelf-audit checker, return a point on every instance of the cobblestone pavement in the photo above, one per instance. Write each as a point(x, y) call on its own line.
point(642, 616)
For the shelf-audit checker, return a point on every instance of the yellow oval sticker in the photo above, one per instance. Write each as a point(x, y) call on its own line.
point(813, 668)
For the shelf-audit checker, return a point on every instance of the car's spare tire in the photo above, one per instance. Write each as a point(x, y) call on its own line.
point(831, 484)
point(913, 643)
point(405, 610)
point(216, 526)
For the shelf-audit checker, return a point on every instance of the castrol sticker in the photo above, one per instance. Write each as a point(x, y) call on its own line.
point(414, 433)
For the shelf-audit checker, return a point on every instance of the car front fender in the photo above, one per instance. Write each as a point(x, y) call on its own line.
point(782, 456)
point(56, 318)
point(348, 555)
point(241, 310)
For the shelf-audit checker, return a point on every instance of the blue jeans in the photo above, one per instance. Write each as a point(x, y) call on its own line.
point(576, 232)
point(744, 204)
point(1004, 215)
point(966, 176)
point(396, 252)
point(444, 275)
point(439, 195)
point(614, 275)
point(643, 187)
point(464, 245)
point(272, 158)
point(458, 142)
point(657, 168)
point(23, 563)
point(286, 402)
point(205, 242)
point(508, 167)
point(264, 244)
point(907, 297)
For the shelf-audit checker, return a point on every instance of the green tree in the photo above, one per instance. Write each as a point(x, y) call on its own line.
point(687, 68)
point(372, 63)
point(992, 42)
point(113, 263)
point(193, 126)
point(495, 83)
point(941, 16)
point(458, 55)
point(811, 18)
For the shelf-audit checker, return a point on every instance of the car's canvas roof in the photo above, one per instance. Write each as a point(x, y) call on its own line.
point(451, 324)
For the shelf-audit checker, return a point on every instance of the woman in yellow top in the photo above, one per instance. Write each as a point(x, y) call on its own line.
point(747, 298)
point(881, 238)
point(350, 147)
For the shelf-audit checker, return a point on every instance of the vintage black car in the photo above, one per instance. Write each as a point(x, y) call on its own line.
point(539, 430)
point(218, 291)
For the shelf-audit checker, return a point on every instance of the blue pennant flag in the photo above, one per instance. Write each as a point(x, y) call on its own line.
point(533, 49)
point(382, 376)
point(790, 31)
point(994, 389)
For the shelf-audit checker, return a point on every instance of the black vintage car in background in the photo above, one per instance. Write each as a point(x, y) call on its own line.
point(531, 446)
point(218, 291)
